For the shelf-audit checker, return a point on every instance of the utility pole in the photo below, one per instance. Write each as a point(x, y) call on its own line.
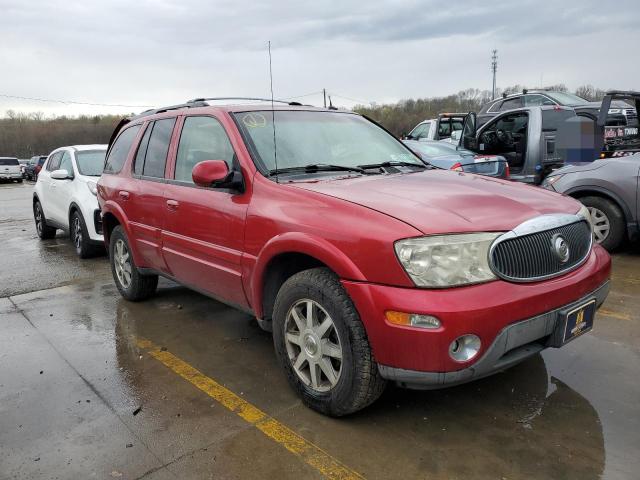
point(494, 69)
point(324, 94)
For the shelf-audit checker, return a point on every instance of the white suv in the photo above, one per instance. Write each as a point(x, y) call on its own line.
point(65, 196)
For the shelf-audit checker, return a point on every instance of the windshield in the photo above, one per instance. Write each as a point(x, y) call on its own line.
point(319, 137)
point(567, 98)
point(90, 162)
point(434, 149)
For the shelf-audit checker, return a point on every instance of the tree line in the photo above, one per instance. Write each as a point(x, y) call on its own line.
point(24, 135)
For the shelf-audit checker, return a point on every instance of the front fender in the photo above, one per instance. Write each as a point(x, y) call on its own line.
point(296, 242)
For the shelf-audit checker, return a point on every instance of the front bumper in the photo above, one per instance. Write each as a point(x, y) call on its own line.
point(513, 344)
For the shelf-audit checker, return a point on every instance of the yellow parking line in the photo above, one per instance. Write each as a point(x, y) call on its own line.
point(304, 449)
point(609, 313)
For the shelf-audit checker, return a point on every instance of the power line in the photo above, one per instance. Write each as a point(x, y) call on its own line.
point(352, 99)
point(305, 95)
point(72, 102)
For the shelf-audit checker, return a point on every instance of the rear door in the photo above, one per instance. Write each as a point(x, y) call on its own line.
point(146, 209)
point(204, 229)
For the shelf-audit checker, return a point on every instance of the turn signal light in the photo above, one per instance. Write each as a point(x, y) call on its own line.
point(412, 319)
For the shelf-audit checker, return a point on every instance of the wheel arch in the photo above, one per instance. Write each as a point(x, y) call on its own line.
point(288, 254)
point(595, 191)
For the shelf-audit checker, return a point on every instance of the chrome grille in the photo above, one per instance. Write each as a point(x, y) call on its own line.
point(532, 256)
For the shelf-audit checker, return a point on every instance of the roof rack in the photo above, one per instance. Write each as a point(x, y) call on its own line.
point(207, 99)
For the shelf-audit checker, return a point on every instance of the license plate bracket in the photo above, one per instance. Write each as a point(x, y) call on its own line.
point(574, 322)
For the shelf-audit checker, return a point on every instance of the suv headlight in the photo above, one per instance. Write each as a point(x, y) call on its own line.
point(93, 187)
point(447, 260)
point(584, 213)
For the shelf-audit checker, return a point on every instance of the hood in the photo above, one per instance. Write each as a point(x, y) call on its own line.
point(443, 201)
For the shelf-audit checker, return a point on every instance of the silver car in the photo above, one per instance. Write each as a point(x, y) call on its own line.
point(609, 189)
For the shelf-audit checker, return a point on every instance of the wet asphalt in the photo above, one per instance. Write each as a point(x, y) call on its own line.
point(80, 398)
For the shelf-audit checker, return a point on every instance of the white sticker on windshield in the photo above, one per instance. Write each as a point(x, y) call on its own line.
point(402, 157)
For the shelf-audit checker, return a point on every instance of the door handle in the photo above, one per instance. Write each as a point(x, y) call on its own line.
point(172, 204)
point(124, 195)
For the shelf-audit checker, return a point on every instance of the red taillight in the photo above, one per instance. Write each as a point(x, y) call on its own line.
point(457, 167)
point(507, 171)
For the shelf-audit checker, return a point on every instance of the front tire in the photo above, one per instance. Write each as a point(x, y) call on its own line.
point(45, 232)
point(80, 236)
point(322, 344)
point(132, 285)
point(608, 221)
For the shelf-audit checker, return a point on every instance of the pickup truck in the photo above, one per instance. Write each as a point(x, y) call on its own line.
point(439, 128)
point(622, 139)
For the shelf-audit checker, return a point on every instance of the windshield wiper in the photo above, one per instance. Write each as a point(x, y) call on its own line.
point(393, 164)
point(316, 167)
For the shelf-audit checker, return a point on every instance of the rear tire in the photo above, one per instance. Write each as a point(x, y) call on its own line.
point(80, 236)
point(45, 232)
point(345, 375)
point(608, 220)
point(132, 285)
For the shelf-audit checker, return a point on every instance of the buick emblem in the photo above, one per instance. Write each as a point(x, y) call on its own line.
point(560, 248)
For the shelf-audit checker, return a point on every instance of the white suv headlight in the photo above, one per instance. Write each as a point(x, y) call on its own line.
point(447, 260)
point(93, 187)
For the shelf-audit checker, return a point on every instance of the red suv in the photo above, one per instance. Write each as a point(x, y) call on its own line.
point(367, 264)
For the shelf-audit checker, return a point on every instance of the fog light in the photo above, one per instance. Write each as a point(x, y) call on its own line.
point(412, 319)
point(464, 348)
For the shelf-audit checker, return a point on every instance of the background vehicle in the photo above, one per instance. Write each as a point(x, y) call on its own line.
point(609, 189)
point(534, 140)
point(10, 169)
point(33, 168)
point(619, 112)
point(620, 138)
point(23, 165)
point(65, 197)
point(439, 128)
point(449, 156)
point(346, 246)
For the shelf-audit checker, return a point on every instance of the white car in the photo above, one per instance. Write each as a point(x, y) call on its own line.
point(10, 169)
point(65, 196)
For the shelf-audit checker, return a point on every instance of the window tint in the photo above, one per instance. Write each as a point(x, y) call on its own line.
point(65, 163)
point(54, 162)
point(9, 161)
point(495, 107)
point(142, 150)
point(202, 138)
point(120, 150)
point(156, 156)
point(537, 101)
point(511, 103)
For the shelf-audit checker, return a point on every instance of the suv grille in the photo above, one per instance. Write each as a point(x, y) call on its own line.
point(535, 256)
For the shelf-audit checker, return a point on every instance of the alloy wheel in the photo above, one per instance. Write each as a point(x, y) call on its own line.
point(77, 233)
point(38, 214)
point(122, 263)
point(601, 225)
point(313, 345)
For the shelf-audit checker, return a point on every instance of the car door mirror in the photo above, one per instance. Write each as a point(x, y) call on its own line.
point(208, 172)
point(455, 136)
point(61, 174)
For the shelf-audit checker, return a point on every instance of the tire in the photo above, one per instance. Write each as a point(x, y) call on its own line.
point(605, 212)
point(44, 231)
point(80, 236)
point(19, 180)
point(356, 381)
point(138, 287)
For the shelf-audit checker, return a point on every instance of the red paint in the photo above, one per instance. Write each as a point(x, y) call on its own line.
point(222, 242)
point(209, 171)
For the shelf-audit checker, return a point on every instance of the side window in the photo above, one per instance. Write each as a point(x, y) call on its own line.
point(120, 150)
point(142, 150)
point(444, 129)
point(495, 107)
point(421, 131)
point(511, 103)
point(202, 138)
point(157, 148)
point(535, 100)
point(65, 163)
point(54, 162)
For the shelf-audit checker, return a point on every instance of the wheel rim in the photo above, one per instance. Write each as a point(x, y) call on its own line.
point(122, 263)
point(601, 225)
point(77, 233)
point(38, 214)
point(313, 345)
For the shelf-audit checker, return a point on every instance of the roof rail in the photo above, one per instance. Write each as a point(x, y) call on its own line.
point(207, 99)
point(153, 111)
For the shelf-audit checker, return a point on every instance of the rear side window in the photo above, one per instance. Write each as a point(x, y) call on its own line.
point(158, 147)
point(120, 150)
point(9, 161)
point(54, 162)
point(142, 150)
point(511, 103)
point(202, 138)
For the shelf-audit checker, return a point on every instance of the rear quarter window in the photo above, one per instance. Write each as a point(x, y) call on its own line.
point(120, 150)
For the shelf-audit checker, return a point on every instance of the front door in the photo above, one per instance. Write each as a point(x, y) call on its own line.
point(203, 235)
point(60, 189)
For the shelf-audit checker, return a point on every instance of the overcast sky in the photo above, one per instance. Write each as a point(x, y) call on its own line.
point(158, 52)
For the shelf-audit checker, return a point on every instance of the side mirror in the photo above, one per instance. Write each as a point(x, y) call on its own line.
point(208, 172)
point(455, 136)
point(61, 174)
